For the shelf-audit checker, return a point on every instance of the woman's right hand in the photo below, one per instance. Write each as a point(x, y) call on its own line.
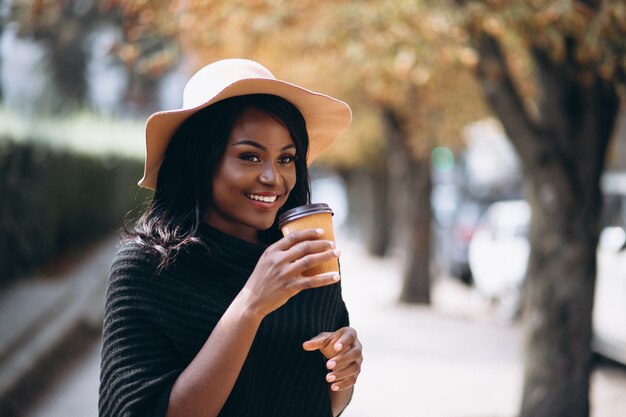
point(278, 275)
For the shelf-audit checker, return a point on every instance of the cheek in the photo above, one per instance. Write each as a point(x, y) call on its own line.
point(217, 194)
point(290, 179)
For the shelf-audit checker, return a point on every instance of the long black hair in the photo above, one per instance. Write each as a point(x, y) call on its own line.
point(183, 194)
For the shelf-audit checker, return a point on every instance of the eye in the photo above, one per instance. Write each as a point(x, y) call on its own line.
point(286, 159)
point(251, 157)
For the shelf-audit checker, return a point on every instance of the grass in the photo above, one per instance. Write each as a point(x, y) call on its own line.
point(82, 132)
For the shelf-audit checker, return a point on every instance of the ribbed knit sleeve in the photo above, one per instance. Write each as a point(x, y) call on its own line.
point(139, 363)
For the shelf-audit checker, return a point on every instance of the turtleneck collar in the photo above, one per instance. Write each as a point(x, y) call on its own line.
point(232, 247)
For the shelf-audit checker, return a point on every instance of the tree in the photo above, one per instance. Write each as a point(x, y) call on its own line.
point(552, 72)
point(61, 27)
point(148, 50)
point(407, 60)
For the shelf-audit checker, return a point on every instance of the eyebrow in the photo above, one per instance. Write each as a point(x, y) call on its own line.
point(258, 145)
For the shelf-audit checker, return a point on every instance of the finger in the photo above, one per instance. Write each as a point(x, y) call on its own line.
point(353, 369)
point(317, 342)
point(346, 339)
point(352, 354)
point(298, 236)
point(343, 384)
point(316, 281)
point(313, 260)
point(349, 355)
point(308, 247)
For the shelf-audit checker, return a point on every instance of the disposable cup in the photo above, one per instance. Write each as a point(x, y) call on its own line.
point(311, 216)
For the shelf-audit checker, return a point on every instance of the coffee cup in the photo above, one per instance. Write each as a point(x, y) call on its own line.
point(311, 216)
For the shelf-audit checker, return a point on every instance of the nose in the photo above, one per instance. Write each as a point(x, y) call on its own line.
point(269, 175)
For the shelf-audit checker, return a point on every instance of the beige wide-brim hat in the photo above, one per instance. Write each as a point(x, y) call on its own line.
point(325, 116)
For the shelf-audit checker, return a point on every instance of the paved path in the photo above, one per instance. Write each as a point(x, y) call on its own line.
point(449, 360)
point(74, 394)
point(452, 360)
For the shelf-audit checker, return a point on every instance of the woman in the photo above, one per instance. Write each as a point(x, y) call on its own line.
point(207, 310)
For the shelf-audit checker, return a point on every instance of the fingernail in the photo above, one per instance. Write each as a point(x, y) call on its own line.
point(337, 253)
point(331, 364)
point(330, 378)
point(331, 243)
point(319, 231)
point(336, 277)
point(338, 346)
point(335, 388)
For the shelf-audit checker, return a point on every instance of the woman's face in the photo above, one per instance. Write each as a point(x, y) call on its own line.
point(254, 177)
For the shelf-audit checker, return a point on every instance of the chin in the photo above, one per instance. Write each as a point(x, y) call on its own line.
point(266, 227)
point(263, 225)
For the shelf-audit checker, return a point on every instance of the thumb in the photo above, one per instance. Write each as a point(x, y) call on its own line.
point(318, 342)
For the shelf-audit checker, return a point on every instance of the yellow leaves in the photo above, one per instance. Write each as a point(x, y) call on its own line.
point(618, 15)
point(404, 62)
point(187, 22)
point(361, 145)
point(420, 75)
point(147, 17)
point(157, 64)
point(591, 40)
point(132, 8)
point(550, 15)
point(468, 57)
point(493, 26)
point(436, 24)
point(355, 51)
point(128, 54)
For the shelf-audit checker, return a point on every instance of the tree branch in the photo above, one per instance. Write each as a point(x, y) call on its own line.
point(505, 100)
point(577, 118)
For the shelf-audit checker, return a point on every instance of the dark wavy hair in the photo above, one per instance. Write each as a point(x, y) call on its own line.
point(183, 194)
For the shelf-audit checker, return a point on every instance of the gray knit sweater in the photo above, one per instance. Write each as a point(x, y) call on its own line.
point(155, 324)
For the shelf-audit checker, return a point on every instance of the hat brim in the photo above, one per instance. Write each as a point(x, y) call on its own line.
point(325, 119)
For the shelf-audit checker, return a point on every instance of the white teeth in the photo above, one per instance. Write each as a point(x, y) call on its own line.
point(265, 199)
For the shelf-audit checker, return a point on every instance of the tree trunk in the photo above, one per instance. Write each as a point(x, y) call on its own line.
point(368, 217)
point(379, 230)
point(562, 157)
point(2, 24)
point(410, 184)
point(398, 157)
point(356, 191)
point(64, 38)
point(68, 57)
point(559, 297)
point(416, 282)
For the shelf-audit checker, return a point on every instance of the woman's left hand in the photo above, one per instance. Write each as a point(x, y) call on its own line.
point(343, 351)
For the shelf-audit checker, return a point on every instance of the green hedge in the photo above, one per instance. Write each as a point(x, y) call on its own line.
point(52, 200)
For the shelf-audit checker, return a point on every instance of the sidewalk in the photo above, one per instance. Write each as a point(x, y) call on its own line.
point(449, 360)
point(45, 320)
point(453, 359)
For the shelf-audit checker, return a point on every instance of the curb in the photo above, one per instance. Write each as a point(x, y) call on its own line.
point(58, 319)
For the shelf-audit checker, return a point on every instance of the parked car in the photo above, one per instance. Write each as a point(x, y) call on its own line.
point(609, 312)
point(498, 253)
point(467, 216)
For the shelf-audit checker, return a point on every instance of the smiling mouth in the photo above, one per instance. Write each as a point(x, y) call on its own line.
point(262, 198)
